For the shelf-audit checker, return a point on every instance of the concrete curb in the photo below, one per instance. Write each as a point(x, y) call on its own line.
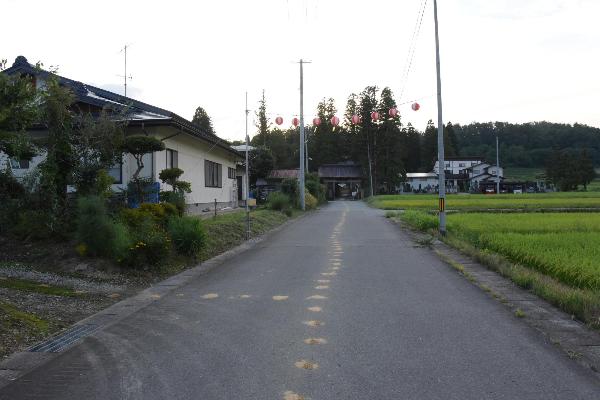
point(578, 342)
point(21, 363)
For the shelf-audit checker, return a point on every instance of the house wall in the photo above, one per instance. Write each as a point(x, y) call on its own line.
point(424, 182)
point(191, 156)
point(456, 165)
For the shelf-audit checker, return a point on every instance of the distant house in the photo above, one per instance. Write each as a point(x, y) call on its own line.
point(209, 163)
point(422, 182)
point(342, 180)
point(462, 174)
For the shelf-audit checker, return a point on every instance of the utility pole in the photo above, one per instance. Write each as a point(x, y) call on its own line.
point(247, 173)
point(441, 160)
point(497, 167)
point(370, 170)
point(302, 143)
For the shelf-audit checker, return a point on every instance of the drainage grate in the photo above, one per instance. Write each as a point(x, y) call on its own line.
point(58, 343)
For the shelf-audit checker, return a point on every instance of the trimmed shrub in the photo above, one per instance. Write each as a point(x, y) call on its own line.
point(278, 201)
point(187, 234)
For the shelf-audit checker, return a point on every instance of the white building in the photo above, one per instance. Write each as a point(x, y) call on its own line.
point(463, 174)
point(422, 182)
point(208, 162)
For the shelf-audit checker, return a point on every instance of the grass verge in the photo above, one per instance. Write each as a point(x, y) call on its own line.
point(229, 230)
point(32, 286)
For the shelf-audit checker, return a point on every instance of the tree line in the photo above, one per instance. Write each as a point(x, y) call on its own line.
point(395, 148)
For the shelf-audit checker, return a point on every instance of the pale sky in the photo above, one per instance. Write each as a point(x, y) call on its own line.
point(506, 60)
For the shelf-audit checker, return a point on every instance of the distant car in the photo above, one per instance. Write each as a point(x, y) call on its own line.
point(490, 191)
point(518, 191)
point(530, 190)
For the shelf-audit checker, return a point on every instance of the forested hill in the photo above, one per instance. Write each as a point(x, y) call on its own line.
point(525, 145)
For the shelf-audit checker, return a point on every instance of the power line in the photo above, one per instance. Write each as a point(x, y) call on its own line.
point(412, 47)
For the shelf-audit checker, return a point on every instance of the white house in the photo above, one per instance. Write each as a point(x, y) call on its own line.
point(422, 181)
point(462, 174)
point(208, 162)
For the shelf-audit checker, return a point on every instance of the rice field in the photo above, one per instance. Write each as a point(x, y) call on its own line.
point(565, 246)
point(480, 202)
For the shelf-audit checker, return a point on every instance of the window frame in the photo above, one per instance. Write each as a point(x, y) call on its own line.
point(18, 163)
point(120, 166)
point(231, 173)
point(174, 158)
point(213, 174)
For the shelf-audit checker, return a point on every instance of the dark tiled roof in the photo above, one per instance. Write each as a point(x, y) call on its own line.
point(283, 174)
point(344, 170)
point(136, 112)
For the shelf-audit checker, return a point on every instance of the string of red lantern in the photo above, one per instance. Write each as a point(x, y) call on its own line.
point(335, 121)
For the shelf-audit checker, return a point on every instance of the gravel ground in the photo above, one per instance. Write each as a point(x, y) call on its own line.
point(96, 291)
point(91, 285)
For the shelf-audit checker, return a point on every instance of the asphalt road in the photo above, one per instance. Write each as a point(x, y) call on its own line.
point(340, 305)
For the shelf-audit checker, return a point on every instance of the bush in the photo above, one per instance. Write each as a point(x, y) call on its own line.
point(32, 224)
point(175, 198)
point(12, 197)
point(94, 228)
point(150, 246)
point(288, 212)
point(310, 201)
point(148, 212)
point(278, 201)
point(187, 234)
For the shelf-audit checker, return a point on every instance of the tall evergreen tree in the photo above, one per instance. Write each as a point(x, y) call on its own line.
point(202, 120)
point(390, 168)
point(429, 147)
point(365, 142)
point(262, 122)
point(412, 161)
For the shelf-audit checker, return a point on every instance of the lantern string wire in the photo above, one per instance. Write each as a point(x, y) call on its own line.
point(412, 47)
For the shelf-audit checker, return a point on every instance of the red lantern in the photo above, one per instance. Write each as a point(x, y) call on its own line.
point(393, 112)
point(335, 121)
point(374, 115)
point(415, 106)
point(355, 119)
point(317, 121)
point(279, 120)
point(295, 121)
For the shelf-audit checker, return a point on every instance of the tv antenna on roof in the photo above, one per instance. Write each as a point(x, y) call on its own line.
point(125, 77)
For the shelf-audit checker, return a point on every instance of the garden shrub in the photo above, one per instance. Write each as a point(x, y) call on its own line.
point(310, 201)
point(94, 227)
point(155, 213)
point(32, 224)
point(187, 234)
point(288, 212)
point(175, 198)
point(278, 201)
point(149, 246)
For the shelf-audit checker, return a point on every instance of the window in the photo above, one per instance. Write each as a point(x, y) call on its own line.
point(172, 158)
point(212, 174)
point(116, 172)
point(462, 164)
point(19, 164)
point(231, 173)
